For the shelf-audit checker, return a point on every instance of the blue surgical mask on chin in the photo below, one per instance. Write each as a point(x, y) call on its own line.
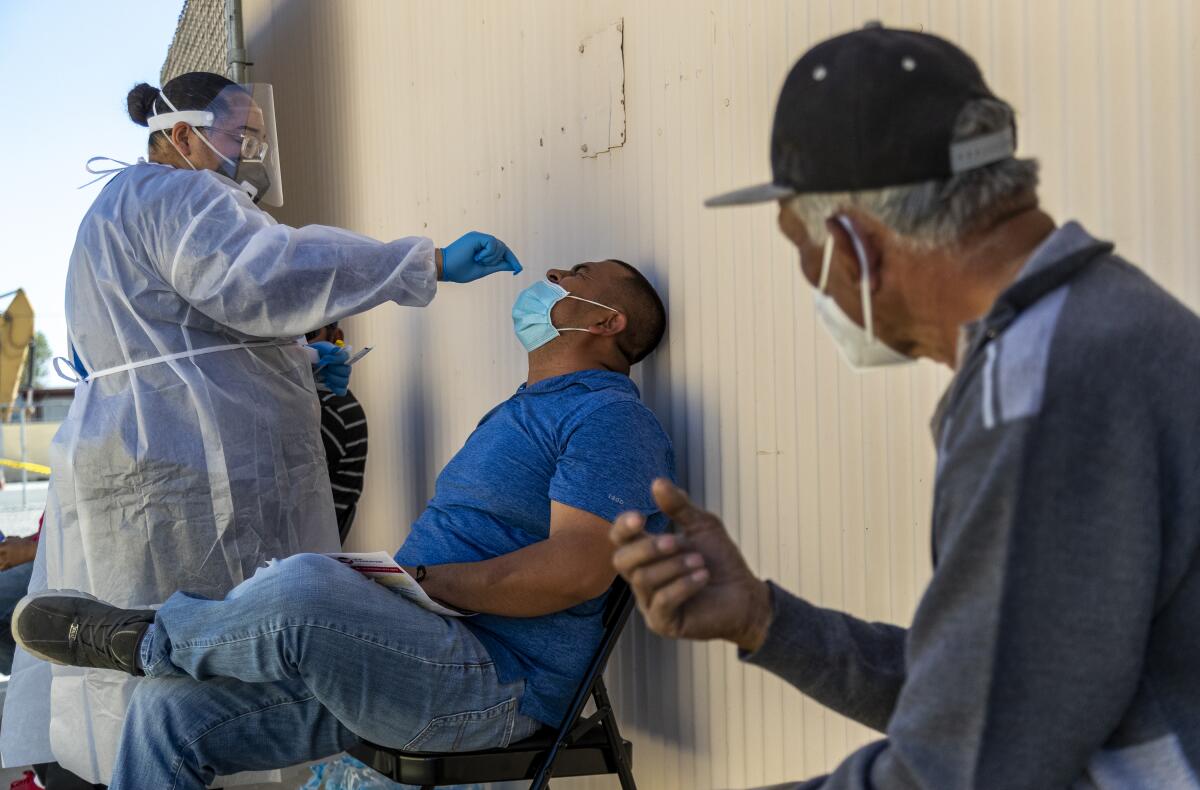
point(531, 313)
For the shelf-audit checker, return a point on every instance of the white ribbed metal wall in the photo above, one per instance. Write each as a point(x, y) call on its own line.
point(435, 118)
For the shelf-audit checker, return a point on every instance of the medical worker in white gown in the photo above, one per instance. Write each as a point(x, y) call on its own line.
point(192, 452)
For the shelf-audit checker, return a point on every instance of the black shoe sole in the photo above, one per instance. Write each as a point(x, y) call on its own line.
point(28, 599)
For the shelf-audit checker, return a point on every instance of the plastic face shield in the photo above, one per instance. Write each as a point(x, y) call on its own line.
point(239, 126)
point(243, 130)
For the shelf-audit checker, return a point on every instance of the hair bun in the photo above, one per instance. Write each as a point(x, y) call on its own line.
point(141, 103)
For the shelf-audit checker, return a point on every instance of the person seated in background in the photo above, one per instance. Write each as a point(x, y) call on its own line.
point(308, 656)
point(16, 568)
point(344, 433)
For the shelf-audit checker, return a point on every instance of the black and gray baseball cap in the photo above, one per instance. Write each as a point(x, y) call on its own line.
point(870, 109)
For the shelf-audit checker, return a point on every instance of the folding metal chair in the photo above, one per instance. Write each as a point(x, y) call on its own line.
point(580, 746)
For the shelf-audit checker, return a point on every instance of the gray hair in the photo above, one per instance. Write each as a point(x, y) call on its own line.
point(939, 212)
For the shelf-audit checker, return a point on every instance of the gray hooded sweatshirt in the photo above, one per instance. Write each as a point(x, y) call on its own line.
point(1058, 642)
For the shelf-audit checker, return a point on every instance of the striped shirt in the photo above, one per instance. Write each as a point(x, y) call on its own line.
point(344, 432)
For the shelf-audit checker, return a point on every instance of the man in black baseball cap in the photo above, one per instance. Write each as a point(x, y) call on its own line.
point(1055, 645)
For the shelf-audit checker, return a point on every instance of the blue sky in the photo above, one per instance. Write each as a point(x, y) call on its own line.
point(65, 68)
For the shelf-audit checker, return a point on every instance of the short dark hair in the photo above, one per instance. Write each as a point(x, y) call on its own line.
point(646, 316)
point(310, 335)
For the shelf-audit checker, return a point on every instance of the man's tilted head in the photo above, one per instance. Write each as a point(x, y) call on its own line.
point(635, 319)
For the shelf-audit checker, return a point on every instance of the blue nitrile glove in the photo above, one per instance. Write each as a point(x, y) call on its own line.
point(476, 255)
point(332, 367)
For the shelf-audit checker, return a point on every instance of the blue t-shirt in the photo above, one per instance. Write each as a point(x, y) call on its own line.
point(583, 439)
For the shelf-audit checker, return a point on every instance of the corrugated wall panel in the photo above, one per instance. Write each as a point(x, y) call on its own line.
point(437, 118)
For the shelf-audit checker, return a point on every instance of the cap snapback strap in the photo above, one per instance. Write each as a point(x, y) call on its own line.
point(983, 150)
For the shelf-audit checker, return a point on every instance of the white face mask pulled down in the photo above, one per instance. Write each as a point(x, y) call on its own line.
point(858, 344)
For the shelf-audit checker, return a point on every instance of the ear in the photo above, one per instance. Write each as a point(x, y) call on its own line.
point(338, 334)
point(612, 324)
point(181, 135)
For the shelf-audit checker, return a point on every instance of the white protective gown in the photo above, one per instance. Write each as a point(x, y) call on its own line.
point(186, 474)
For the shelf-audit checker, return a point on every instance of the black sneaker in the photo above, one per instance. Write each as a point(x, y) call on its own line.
point(76, 629)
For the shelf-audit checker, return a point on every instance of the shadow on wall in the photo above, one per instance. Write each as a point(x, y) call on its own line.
point(651, 704)
point(415, 453)
point(654, 676)
point(309, 97)
point(323, 183)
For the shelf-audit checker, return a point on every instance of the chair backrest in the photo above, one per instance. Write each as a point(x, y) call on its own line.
point(617, 607)
point(617, 604)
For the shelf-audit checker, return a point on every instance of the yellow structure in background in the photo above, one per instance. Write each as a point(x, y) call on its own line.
point(36, 461)
point(16, 335)
point(37, 469)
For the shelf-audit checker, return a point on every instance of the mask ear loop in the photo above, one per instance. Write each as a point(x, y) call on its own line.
point(589, 301)
point(212, 148)
point(166, 132)
point(864, 280)
point(826, 258)
point(245, 185)
point(204, 139)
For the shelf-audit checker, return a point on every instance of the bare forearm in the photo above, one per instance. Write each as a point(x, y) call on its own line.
point(17, 551)
point(536, 580)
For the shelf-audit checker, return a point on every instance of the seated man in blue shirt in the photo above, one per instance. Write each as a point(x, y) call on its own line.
point(308, 656)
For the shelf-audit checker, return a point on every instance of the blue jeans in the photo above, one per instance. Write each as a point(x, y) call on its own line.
point(297, 663)
point(14, 583)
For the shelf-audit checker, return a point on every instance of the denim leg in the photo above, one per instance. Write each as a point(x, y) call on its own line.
point(390, 671)
point(179, 733)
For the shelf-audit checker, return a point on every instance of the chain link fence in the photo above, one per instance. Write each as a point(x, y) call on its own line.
point(200, 41)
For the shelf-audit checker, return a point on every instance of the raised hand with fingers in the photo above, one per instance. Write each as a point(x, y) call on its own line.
point(693, 583)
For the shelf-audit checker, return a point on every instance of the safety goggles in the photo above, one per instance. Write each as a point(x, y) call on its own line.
point(253, 149)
